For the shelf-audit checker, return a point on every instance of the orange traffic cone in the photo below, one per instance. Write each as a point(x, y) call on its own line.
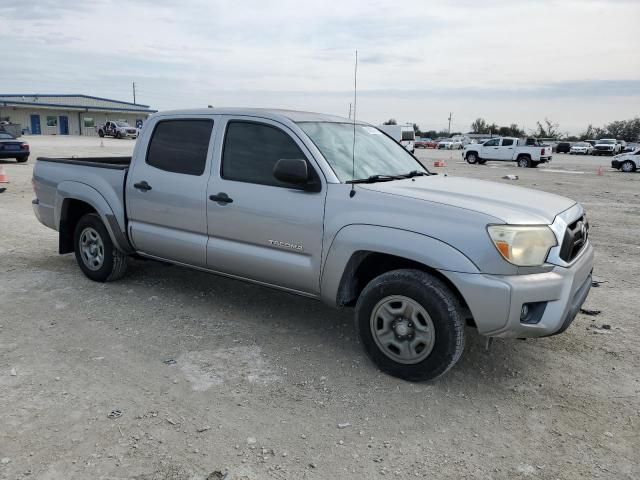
point(600, 171)
point(3, 175)
point(439, 163)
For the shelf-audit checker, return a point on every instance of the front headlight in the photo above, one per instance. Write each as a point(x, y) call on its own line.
point(525, 246)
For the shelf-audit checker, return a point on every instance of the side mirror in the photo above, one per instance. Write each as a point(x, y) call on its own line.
point(292, 171)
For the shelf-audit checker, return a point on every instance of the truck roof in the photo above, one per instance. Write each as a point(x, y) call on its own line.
point(271, 113)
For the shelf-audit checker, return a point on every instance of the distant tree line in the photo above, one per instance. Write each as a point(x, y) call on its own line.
point(628, 130)
point(480, 125)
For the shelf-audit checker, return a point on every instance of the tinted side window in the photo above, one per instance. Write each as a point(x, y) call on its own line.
point(251, 150)
point(180, 146)
point(507, 142)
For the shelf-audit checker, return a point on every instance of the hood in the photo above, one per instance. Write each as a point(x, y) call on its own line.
point(510, 204)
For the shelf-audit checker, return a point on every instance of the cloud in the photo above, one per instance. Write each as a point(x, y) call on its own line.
point(418, 59)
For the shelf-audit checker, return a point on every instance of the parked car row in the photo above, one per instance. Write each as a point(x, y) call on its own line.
point(604, 146)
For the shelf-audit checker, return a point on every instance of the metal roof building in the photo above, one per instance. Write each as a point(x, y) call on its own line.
point(53, 114)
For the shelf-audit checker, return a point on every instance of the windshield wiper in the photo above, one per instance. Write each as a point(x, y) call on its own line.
point(376, 178)
point(413, 173)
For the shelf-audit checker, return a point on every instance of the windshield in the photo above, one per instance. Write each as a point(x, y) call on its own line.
point(375, 152)
point(607, 142)
point(122, 124)
point(408, 135)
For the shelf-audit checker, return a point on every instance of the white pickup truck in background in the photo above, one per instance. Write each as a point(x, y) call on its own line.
point(527, 152)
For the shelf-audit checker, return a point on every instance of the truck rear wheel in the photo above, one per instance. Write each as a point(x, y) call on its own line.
point(100, 133)
point(410, 325)
point(95, 253)
point(524, 162)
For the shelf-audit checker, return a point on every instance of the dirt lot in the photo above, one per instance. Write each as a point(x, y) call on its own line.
point(212, 374)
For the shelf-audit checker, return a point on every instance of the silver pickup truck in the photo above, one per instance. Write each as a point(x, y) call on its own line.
point(289, 200)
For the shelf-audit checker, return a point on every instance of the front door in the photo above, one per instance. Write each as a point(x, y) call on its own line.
point(64, 125)
point(166, 192)
point(260, 228)
point(35, 125)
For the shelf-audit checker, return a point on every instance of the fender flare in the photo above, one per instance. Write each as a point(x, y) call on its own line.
point(352, 240)
point(72, 190)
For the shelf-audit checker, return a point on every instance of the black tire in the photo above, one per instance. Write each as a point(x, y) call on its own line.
point(524, 162)
point(114, 262)
point(22, 159)
point(441, 305)
point(118, 135)
point(472, 158)
point(100, 133)
point(628, 166)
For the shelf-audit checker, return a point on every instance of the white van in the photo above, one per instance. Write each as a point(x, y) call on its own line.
point(403, 134)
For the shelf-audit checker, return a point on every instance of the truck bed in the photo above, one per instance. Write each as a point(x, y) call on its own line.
point(118, 163)
point(98, 181)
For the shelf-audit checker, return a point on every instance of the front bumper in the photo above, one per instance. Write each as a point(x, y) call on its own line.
point(496, 301)
point(615, 164)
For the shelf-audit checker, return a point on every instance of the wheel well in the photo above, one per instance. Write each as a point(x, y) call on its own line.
point(524, 155)
point(470, 151)
point(72, 211)
point(364, 266)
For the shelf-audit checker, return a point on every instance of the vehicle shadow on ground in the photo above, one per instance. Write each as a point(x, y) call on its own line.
point(307, 321)
point(9, 161)
point(274, 320)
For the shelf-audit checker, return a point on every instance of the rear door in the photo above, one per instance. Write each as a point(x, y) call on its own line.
point(166, 190)
point(262, 229)
point(506, 149)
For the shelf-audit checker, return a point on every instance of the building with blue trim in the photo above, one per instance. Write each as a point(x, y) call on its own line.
point(54, 114)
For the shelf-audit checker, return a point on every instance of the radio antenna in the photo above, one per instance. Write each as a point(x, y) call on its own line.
point(353, 149)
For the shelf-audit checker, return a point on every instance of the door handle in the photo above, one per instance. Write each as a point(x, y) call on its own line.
point(144, 186)
point(221, 198)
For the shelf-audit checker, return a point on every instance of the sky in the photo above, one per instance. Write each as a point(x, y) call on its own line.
point(574, 62)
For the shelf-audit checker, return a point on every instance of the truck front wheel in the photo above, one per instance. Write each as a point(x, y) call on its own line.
point(100, 133)
point(410, 324)
point(472, 157)
point(95, 253)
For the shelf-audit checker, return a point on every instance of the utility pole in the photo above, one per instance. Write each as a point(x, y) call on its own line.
point(449, 123)
point(134, 92)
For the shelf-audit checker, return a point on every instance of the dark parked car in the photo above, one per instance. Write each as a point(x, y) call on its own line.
point(11, 147)
point(563, 147)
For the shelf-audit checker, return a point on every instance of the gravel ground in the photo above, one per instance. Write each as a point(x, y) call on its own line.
point(214, 375)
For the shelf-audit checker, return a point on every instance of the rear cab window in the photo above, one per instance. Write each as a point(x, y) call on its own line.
point(180, 145)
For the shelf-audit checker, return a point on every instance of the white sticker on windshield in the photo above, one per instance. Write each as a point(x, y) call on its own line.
point(372, 131)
